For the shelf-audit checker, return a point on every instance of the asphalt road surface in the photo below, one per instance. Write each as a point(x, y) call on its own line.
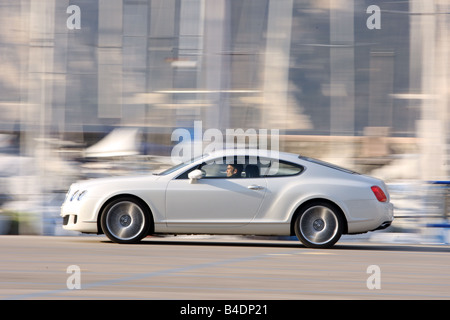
point(196, 268)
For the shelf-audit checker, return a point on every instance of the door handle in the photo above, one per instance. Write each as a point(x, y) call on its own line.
point(255, 187)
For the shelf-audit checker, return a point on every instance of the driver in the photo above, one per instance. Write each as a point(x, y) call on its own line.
point(234, 170)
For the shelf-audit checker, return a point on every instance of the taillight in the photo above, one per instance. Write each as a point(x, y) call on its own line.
point(378, 192)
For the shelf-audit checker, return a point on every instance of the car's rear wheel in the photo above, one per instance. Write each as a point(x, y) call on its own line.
point(319, 225)
point(125, 220)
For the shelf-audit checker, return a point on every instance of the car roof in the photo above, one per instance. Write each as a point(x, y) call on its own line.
point(254, 153)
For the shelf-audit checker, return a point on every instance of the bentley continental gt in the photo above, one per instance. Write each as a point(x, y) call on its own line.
point(238, 192)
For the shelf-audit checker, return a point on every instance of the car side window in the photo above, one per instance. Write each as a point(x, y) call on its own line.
point(251, 169)
point(223, 168)
point(277, 168)
point(215, 170)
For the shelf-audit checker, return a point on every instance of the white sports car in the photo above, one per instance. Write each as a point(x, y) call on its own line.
point(233, 192)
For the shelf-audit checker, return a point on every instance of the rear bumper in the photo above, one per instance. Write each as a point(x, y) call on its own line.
point(377, 216)
point(384, 225)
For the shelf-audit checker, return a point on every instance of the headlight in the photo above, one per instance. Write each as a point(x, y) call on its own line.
point(77, 195)
point(74, 195)
point(81, 195)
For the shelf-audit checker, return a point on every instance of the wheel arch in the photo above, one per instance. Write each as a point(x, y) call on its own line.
point(124, 195)
point(303, 205)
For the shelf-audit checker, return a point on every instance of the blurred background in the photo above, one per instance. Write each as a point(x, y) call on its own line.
point(96, 88)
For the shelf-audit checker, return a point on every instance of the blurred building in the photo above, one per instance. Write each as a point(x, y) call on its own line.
point(336, 78)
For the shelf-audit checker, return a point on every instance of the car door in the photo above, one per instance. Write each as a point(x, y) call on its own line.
point(214, 203)
point(284, 187)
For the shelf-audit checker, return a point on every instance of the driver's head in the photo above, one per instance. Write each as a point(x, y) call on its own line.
point(234, 170)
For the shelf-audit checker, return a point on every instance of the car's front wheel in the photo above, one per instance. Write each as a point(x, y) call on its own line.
point(319, 225)
point(125, 220)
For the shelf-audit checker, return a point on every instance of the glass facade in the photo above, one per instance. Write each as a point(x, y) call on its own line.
point(308, 67)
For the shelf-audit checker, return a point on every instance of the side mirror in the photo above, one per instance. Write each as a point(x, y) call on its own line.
point(195, 175)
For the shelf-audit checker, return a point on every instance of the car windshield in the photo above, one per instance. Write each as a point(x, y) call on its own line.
point(178, 166)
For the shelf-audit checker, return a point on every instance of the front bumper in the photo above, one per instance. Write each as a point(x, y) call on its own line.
point(80, 215)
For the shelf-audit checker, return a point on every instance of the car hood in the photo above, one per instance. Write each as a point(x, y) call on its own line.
point(112, 182)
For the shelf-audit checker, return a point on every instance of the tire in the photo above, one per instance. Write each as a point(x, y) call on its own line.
point(319, 225)
point(126, 220)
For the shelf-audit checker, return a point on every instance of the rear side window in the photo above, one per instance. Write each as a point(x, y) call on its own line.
point(280, 168)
